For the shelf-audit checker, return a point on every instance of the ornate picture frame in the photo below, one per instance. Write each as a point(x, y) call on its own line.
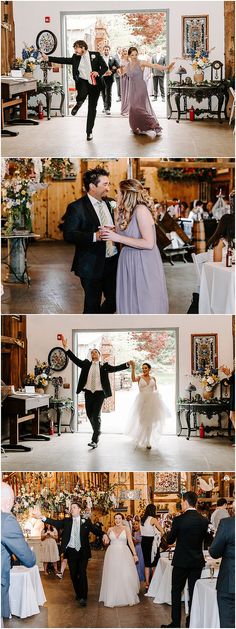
point(204, 351)
point(195, 33)
point(166, 482)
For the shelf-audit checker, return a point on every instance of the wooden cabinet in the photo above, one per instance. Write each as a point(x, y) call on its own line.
point(14, 349)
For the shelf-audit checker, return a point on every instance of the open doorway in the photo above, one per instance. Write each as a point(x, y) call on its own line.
point(119, 29)
point(159, 347)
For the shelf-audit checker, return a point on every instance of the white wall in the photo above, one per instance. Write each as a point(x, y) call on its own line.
point(29, 20)
point(42, 333)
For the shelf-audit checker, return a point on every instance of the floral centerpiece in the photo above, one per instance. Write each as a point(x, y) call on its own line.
point(208, 380)
point(200, 61)
point(59, 501)
point(41, 376)
point(30, 58)
point(16, 205)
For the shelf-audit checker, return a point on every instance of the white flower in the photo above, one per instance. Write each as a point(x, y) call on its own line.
point(211, 380)
point(112, 204)
point(82, 521)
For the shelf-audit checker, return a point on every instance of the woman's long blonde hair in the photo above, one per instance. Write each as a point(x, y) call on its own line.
point(133, 193)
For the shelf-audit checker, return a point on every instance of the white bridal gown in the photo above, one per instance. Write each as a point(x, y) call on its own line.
point(147, 415)
point(120, 582)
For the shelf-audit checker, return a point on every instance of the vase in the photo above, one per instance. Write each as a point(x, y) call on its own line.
point(39, 390)
point(208, 394)
point(28, 75)
point(198, 76)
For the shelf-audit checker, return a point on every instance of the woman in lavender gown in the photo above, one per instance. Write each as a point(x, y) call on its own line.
point(137, 538)
point(124, 83)
point(141, 285)
point(142, 118)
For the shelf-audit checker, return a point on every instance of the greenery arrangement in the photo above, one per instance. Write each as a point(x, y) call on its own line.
point(59, 502)
point(58, 168)
point(186, 174)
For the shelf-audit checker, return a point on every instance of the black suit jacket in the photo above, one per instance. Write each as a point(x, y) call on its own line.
point(86, 527)
point(223, 546)
point(80, 224)
point(97, 63)
point(112, 61)
point(105, 369)
point(188, 531)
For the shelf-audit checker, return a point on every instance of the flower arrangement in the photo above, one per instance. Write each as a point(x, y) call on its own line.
point(208, 378)
point(40, 377)
point(30, 57)
point(200, 59)
point(16, 204)
point(186, 174)
point(59, 168)
point(60, 501)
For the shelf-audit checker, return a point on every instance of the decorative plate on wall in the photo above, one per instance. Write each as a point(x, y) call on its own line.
point(58, 359)
point(46, 42)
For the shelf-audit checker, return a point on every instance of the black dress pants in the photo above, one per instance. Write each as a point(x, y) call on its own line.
point(158, 80)
point(107, 83)
point(84, 89)
point(226, 604)
point(179, 578)
point(93, 405)
point(77, 566)
point(95, 288)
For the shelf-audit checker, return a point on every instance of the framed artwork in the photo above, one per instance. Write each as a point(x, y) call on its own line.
point(204, 352)
point(166, 483)
point(195, 34)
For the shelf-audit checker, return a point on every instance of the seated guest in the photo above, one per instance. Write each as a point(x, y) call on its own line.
point(224, 233)
point(173, 209)
point(184, 209)
point(220, 513)
point(223, 546)
point(12, 543)
point(196, 214)
point(207, 213)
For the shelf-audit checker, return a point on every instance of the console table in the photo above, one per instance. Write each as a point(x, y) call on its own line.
point(15, 92)
point(192, 410)
point(48, 89)
point(59, 405)
point(20, 408)
point(199, 92)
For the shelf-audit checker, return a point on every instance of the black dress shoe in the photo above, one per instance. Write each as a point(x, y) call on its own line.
point(89, 136)
point(93, 444)
point(108, 113)
point(74, 110)
point(82, 602)
point(171, 625)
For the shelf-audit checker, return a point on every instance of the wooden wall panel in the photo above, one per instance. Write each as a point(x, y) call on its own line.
point(229, 9)
point(14, 358)
point(7, 36)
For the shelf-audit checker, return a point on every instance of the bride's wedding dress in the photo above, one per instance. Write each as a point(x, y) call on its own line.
point(120, 582)
point(147, 415)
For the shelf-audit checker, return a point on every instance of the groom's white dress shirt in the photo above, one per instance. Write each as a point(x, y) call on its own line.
point(94, 378)
point(75, 534)
point(85, 67)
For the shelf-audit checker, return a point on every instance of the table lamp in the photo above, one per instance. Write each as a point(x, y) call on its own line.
point(191, 387)
point(180, 72)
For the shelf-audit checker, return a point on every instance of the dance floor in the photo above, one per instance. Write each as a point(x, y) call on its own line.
point(63, 610)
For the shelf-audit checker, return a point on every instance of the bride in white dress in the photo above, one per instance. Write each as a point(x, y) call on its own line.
point(148, 413)
point(120, 582)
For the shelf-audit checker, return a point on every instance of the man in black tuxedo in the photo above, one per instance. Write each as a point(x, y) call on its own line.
point(223, 546)
point(95, 261)
point(188, 531)
point(94, 381)
point(158, 75)
point(108, 79)
point(88, 67)
point(75, 545)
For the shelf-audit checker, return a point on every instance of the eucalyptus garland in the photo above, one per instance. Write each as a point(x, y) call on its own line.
point(186, 174)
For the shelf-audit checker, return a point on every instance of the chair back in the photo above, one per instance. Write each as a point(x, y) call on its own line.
point(199, 259)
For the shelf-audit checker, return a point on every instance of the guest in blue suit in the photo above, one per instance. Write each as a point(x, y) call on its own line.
point(12, 542)
point(223, 546)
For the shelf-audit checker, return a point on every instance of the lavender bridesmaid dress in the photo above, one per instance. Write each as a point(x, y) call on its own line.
point(141, 114)
point(141, 285)
point(124, 89)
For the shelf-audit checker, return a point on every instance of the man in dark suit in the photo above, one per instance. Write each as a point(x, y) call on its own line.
point(75, 545)
point(188, 531)
point(94, 381)
point(95, 261)
point(108, 79)
point(88, 67)
point(158, 75)
point(12, 543)
point(223, 546)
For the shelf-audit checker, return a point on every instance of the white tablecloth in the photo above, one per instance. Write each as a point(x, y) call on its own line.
point(217, 289)
point(26, 591)
point(204, 611)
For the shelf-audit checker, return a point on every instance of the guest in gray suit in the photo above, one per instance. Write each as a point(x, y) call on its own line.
point(158, 75)
point(12, 542)
point(223, 546)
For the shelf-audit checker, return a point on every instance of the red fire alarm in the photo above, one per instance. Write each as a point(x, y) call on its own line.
point(47, 19)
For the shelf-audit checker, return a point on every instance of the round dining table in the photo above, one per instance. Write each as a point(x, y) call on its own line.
point(26, 593)
point(217, 288)
point(204, 610)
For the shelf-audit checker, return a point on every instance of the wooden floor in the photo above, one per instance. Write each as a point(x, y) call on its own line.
point(64, 611)
point(55, 290)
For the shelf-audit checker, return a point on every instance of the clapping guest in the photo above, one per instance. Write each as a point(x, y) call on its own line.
point(137, 539)
point(220, 513)
point(50, 552)
point(223, 546)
